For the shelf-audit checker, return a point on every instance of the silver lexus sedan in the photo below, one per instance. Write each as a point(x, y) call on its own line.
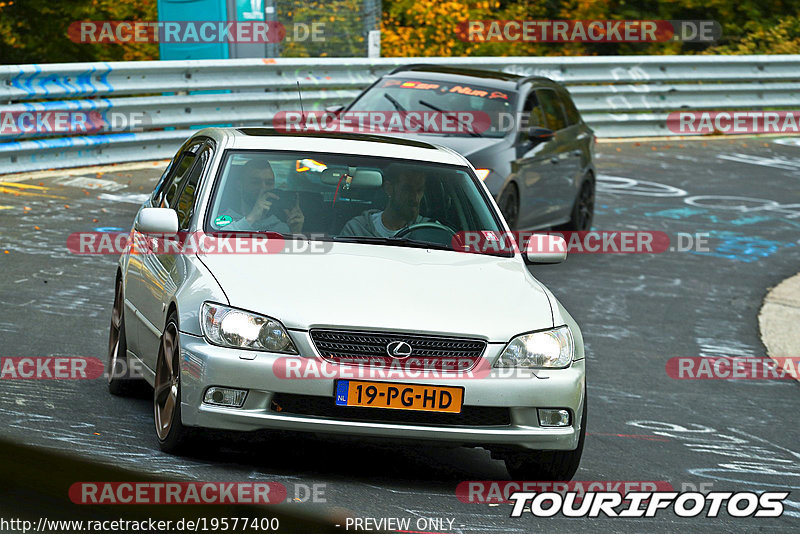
point(345, 284)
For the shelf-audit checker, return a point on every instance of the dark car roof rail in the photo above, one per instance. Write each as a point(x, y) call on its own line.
point(413, 66)
point(465, 71)
point(526, 79)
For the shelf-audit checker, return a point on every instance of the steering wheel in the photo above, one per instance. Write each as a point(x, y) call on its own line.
point(428, 225)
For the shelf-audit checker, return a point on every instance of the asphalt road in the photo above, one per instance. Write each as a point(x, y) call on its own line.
point(636, 312)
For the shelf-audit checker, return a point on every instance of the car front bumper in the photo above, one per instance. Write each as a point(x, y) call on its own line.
point(204, 365)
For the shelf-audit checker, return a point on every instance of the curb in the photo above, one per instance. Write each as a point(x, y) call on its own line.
point(779, 318)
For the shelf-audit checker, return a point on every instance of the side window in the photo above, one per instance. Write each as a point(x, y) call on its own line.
point(186, 201)
point(166, 194)
point(553, 112)
point(534, 112)
point(573, 117)
point(155, 197)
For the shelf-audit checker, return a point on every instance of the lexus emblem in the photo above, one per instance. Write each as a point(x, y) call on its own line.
point(398, 349)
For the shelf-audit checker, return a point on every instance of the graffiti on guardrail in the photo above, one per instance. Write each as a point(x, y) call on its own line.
point(618, 96)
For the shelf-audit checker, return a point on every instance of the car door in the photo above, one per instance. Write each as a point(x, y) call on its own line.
point(138, 264)
point(538, 167)
point(557, 191)
point(577, 142)
point(164, 273)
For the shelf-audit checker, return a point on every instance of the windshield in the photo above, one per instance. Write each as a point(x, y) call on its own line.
point(363, 199)
point(414, 94)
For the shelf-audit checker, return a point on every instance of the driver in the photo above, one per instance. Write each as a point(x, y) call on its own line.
point(404, 186)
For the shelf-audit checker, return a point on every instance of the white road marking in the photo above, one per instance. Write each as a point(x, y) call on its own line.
point(87, 182)
point(130, 198)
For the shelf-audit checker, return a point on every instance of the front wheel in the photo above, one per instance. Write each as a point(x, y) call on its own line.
point(583, 210)
point(173, 437)
point(548, 465)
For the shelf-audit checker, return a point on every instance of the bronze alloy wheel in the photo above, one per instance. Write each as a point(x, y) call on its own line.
point(166, 394)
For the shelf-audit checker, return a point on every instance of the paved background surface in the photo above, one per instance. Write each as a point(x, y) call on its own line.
point(636, 312)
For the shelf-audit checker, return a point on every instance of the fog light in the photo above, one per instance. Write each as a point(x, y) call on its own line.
point(225, 397)
point(553, 417)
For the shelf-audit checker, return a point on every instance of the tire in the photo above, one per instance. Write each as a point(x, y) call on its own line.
point(118, 371)
point(172, 436)
point(548, 465)
point(582, 210)
point(509, 205)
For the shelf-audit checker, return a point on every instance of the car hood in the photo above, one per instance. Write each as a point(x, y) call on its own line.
point(377, 287)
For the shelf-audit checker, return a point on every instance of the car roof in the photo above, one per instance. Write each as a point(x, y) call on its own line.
point(494, 79)
point(337, 143)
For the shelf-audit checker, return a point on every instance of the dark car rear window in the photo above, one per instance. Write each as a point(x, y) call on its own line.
point(419, 94)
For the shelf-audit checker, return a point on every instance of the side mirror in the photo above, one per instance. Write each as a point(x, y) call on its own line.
point(334, 109)
point(546, 249)
point(538, 135)
point(156, 221)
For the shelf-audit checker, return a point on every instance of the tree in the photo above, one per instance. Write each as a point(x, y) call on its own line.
point(35, 31)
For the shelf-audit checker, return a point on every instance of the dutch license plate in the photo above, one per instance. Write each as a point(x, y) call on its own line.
point(420, 397)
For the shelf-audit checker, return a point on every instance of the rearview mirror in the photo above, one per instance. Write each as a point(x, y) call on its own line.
point(156, 221)
point(546, 249)
point(361, 178)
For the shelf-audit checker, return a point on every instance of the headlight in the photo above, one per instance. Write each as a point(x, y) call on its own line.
point(552, 349)
point(239, 329)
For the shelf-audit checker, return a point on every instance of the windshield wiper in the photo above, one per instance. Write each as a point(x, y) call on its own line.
point(429, 105)
point(440, 110)
point(397, 105)
point(400, 241)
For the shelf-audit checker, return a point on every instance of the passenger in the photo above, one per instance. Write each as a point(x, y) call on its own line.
point(261, 207)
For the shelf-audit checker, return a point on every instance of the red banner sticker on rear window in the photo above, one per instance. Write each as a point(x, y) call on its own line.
point(445, 88)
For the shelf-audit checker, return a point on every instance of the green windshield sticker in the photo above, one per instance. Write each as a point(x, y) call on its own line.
point(223, 220)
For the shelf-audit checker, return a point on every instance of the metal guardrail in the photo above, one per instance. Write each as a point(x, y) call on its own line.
point(618, 96)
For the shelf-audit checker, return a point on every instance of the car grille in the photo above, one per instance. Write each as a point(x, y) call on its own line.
point(370, 348)
point(325, 407)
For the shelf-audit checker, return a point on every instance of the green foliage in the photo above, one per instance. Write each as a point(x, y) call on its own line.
point(424, 27)
point(35, 31)
point(339, 21)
